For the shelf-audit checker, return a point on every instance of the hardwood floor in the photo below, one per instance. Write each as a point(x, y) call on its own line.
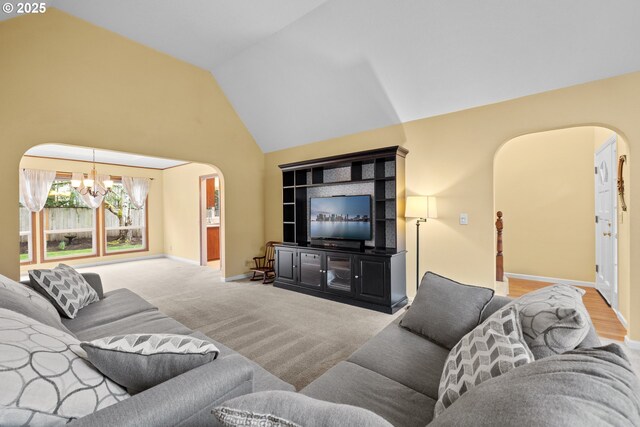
point(604, 319)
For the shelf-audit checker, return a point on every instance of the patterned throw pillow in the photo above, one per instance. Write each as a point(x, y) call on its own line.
point(45, 379)
point(554, 319)
point(230, 417)
point(36, 299)
point(142, 361)
point(277, 408)
point(493, 348)
point(65, 287)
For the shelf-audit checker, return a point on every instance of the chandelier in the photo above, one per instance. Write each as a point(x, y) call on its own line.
point(89, 183)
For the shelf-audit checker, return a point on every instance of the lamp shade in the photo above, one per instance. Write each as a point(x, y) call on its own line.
point(421, 207)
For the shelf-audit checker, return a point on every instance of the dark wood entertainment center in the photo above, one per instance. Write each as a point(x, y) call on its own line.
point(372, 277)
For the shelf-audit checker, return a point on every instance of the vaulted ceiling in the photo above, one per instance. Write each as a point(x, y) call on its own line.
point(299, 71)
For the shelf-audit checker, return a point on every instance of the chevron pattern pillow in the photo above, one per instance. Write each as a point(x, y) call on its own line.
point(493, 348)
point(65, 287)
point(142, 361)
point(45, 377)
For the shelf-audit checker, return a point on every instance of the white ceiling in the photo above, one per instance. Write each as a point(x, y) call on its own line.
point(69, 152)
point(299, 71)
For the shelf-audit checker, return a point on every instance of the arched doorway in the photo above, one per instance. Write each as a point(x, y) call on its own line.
point(79, 228)
point(545, 184)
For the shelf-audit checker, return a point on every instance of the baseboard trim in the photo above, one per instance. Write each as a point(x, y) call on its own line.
point(108, 262)
point(621, 318)
point(180, 259)
point(632, 344)
point(550, 280)
point(238, 277)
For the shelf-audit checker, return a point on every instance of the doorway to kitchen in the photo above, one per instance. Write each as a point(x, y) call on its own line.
point(210, 221)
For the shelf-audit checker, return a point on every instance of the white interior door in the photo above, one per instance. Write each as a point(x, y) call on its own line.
point(606, 222)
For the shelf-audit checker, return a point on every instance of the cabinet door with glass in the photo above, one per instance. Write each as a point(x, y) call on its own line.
point(339, 273)
point(311, 269)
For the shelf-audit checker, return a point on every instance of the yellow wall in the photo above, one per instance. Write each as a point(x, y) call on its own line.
point(67, 81)
point(544, 185)
point(451, 156)
point(182, 210)
point(154, 205)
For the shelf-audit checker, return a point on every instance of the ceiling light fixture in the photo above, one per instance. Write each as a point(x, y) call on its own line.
point(89, 183)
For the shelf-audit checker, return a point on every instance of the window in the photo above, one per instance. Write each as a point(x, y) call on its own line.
point(26, 235)
point(68, 224)
point(125, 225)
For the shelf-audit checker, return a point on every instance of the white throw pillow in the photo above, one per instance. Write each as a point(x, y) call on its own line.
point(44, 375)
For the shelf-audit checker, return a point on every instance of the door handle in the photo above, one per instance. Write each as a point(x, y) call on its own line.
point(357, 277)
point(607, 234)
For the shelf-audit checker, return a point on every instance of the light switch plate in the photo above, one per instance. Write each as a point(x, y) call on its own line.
point(464, 219)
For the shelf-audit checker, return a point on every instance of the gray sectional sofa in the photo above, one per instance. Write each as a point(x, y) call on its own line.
point(184, 400)
point(396, 375)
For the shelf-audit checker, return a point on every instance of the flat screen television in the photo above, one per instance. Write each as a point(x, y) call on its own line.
point(340, 217)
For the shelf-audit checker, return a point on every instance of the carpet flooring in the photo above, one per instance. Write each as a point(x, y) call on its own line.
point(294, 336)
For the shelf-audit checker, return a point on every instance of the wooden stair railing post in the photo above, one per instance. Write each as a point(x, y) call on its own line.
point(499, 257)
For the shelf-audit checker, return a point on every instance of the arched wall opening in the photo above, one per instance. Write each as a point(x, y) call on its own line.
point(544, 183)
point(67, 230)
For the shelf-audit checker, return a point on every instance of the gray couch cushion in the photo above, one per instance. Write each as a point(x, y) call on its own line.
point(142, 361)
point(40, 302)
point(405, 357)
point(496, 303)
point(115, 305)
point(186, 400)
point(262, 379)
point(444, 310)
point(585, 387)
point(292, 409)
point(354, 385)
point(22, 304)
point(147, 322)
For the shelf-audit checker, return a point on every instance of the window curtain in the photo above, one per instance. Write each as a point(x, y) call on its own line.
point(34, 188)
point(88, 199)
point(137, 189)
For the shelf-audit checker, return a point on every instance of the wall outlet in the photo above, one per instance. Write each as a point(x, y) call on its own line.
point(464, 219)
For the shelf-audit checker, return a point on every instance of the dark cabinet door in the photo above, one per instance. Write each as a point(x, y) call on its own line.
point(372, 279)
point(286, 265)
point(311, 269)
point(339, 273)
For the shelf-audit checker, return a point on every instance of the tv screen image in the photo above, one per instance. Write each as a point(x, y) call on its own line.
point(340, 217)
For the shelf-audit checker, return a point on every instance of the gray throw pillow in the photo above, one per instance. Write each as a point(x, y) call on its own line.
point(38, 301)
point(585, 387)
point(491, 349)
point(444, 311)
point(64, 287)
point(142, 361)
point(44, 377)
point(554, 319)
point(290, 409)
point(21, 304)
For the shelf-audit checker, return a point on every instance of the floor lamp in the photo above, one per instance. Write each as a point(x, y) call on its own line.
point(421, 208)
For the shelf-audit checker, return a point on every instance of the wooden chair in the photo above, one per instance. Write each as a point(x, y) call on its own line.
point(265, 265)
